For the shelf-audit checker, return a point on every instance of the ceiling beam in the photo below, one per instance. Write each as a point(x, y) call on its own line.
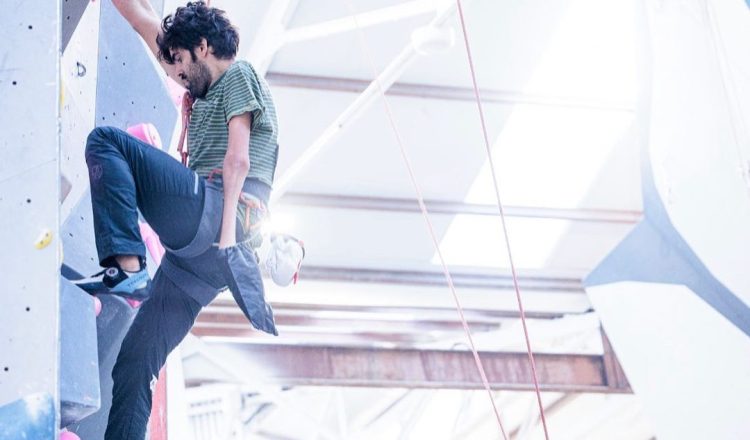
point(361, 103)
point(313, 336)
point(358, 325)
point(290, 365)
point(209, 316)
point(455, 208)
point(382, 312)
point(475, 278)
point(450, 93)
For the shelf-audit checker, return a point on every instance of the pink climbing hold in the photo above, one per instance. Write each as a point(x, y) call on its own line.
point(134, 303)
point(97, 306)
point(67, 435)
point(152, 242)
point(147, 133)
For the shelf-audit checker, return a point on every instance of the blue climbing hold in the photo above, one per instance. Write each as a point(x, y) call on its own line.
point(32, 417)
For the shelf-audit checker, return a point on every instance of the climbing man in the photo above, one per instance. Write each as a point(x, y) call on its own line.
point(206, 215)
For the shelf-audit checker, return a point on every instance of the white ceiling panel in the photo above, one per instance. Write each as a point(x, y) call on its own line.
point(548, 156)
point(366, 239)
point(538, 47)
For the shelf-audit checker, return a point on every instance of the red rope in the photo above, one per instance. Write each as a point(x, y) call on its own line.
point(433, 236)
point(502, 219)
point(187, 111)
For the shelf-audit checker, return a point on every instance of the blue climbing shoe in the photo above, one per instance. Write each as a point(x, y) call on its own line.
point(113, 280)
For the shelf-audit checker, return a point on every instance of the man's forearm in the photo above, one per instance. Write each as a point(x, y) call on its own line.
point(233, 175)
point(236, 165)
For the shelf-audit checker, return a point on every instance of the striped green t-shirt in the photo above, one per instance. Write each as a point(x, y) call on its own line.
point(237, 91)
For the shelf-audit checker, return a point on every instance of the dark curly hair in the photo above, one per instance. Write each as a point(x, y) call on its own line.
point(189, 24)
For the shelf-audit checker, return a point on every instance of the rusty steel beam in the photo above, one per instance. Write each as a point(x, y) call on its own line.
point(292, 365)
point(612, 368)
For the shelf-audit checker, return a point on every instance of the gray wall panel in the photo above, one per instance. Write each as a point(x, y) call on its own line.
point(112, 324)
point(79, 364)
point(78, 76)
point(72, 11)
point(130, 87)
point(29, 193)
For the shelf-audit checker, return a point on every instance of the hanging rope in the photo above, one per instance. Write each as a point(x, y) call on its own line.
point(502, 218)
point(423, 209)
point(187, 111)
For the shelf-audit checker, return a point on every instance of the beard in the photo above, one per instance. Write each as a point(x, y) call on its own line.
point(198, 80)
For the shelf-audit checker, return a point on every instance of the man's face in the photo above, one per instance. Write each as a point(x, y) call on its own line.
point(194, 73)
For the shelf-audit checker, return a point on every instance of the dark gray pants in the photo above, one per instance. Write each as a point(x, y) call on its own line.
point(160, 325)
point(128, 175)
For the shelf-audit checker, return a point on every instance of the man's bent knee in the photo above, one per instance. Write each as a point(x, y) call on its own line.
point(100, 136)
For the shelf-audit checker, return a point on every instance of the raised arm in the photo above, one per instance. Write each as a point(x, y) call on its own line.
point(146, 22)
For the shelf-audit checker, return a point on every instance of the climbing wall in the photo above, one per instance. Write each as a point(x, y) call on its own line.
point(78, 74)
point(674, 296)
point(29, 194)
point(113, 81)
point(60, 77)
point(130, 87)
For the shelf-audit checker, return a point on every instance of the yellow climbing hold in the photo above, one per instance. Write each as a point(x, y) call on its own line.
point(45, 238)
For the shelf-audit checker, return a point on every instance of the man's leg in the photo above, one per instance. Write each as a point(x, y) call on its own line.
point(127, 174)
point(162, 322)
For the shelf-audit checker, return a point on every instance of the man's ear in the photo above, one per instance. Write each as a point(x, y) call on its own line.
point(203, 47)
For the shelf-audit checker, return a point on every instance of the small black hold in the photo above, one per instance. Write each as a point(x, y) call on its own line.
point(28, 309)
point(15, 83)
point(80, 69)
point(103, 118)
point(28, 200)
point(114, 114)
point(31, 27)
point(6, 368)
point(70, 233)
point(68, 17)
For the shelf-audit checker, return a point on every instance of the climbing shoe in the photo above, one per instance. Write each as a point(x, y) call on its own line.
point(114, 280)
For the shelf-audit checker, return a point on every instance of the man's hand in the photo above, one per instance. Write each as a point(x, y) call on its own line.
point(236, 166)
